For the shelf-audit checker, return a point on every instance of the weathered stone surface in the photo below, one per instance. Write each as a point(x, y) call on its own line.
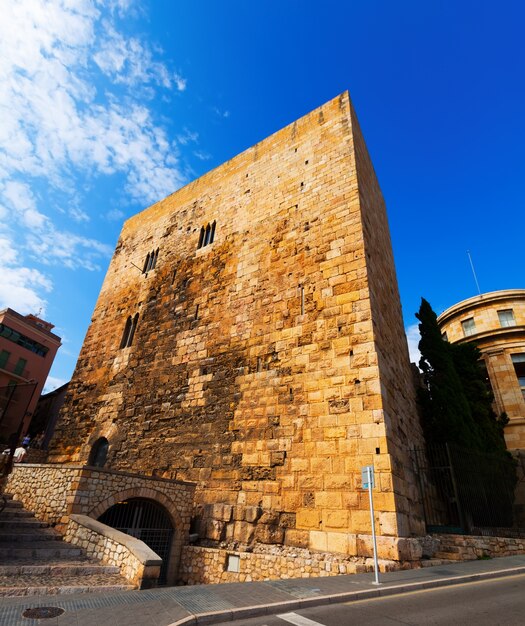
point(55, 492)
point(270, 364)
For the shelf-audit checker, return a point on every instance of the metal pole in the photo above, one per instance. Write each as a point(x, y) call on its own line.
point(459, 504)
point(376, 565)
point(473, 271)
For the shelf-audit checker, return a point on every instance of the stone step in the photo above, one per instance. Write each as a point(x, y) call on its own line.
point(28, 535)
point(23, 522)
point(37, 550)
point(36, 561)
point(27, 585)
point(15, 513)
point(12, 504)
point(53, 568)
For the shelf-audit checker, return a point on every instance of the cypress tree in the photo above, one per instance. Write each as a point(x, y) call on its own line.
point(466, 357)
point(455, 399)
point(446, 411)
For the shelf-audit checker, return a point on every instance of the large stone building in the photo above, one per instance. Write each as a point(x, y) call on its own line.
point(496, 323)
point(248, 337)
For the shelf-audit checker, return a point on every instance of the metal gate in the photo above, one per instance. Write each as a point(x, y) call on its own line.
point(146, 520)
point(467, 492)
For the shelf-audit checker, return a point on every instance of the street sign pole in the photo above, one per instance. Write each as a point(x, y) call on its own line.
point(370, 483)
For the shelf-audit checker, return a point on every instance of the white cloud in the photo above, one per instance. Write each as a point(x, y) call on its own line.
point(78, 214)
point(202, 155)
point(130, 61)
point(20, 286)
point(187, 136)
point(67, 249)
point(413, 338)
point(20, 199)
point(220, 113)
point(115, 215)
point(62, 120)
point(52, 383)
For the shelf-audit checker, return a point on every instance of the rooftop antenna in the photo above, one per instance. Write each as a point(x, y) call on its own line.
point(474, 272)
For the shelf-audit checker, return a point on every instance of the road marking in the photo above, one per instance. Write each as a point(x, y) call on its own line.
point(298, 620)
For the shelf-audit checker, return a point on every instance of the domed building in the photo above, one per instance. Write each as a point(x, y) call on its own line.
point(495, 322)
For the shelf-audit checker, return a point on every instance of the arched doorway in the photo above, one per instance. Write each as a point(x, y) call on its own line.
point(99, 453)
point(146, 520)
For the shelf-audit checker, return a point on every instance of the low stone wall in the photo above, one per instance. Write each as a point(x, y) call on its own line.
point(53, 492)
point(470, 547)
point(136, 561)
point(200, 565)
point(48, 491)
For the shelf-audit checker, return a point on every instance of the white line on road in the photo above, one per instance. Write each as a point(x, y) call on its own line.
point(298, 620)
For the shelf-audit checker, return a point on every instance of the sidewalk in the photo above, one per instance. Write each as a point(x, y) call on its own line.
point(213, 604)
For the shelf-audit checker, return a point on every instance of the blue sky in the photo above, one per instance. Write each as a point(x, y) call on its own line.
point(106, 107)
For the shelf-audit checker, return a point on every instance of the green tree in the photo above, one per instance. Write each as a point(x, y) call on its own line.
point(445, 411)
point(466, 357)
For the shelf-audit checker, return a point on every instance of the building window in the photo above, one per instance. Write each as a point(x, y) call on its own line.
point(150, 261)
point(20, 367)
point(22, 340)
point(444, 335)
point(207, 235)
point(4, 357)
point(129, 331)
point(469, 327)
point(518, 360)
point(506, 318)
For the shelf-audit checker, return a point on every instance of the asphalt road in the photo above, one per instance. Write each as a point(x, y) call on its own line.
point(485, 603)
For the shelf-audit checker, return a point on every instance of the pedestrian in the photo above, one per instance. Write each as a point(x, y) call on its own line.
point(20, 453)
point(26, 440)
point(38, 440)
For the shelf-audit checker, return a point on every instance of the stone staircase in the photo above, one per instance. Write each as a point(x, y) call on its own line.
point(34, 560)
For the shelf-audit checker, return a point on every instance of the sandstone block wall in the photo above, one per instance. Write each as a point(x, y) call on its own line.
point(268, 366)
point(470, 547)
point(200, 565)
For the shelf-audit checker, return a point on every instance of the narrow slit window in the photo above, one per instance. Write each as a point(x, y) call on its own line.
point(154, 259)
point(151, 261)
point(129, 331)
point(133, 329)
point(201, 238)
point(125, 334)
point(207, 235)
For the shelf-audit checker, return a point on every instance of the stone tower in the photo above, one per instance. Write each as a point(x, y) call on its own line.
point(248, 336)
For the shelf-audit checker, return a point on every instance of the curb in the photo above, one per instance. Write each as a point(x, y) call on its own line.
point(229, 615)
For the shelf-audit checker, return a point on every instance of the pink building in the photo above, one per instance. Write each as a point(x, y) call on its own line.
point(27, 350)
